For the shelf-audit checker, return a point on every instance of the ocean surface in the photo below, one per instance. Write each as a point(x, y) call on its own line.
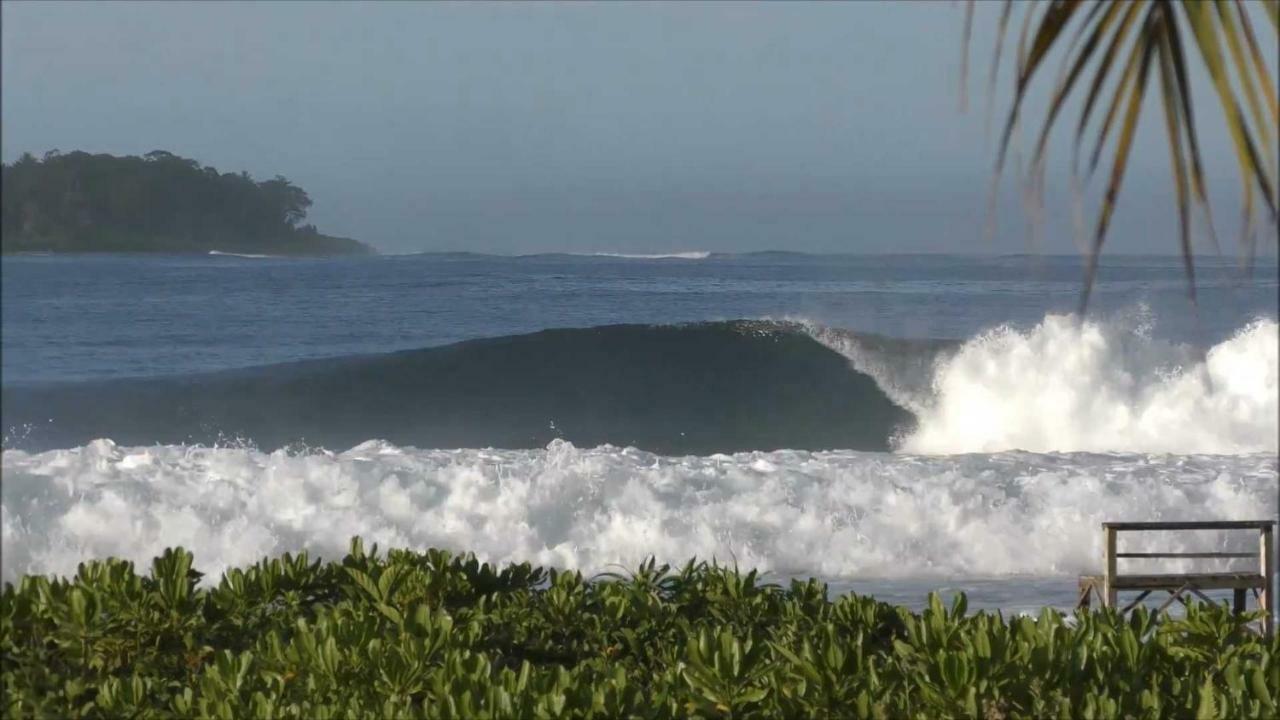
point(891, 424)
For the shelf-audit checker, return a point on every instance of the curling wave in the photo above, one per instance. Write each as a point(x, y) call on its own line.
point(700, 388)
point(1063, 385)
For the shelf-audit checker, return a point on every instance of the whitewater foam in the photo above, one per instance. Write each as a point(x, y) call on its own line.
point(1101, 385)
point(836, 514)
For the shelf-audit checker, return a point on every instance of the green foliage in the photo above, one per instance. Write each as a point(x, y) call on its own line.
point(80, 202)
point(434, 635)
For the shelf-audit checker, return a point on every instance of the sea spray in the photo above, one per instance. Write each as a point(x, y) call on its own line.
point(1099, 386)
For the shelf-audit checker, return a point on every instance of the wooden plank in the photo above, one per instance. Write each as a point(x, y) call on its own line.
point(1187, 555)
point(1109, 576)
point(1134, 603)
point(1084, 591)
point(1174, 596)
point(1267, 566)
point(1192, 525)
point(1202, 581)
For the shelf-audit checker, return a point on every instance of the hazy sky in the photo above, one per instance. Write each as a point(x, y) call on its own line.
point(577, 126)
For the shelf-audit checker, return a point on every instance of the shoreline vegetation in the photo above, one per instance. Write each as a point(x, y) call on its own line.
point(435, 635)
point(158, 203)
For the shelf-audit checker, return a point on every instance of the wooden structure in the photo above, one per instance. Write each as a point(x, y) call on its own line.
point(1179, 585)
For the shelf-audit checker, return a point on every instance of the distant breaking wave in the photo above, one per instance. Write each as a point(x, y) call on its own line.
point(1060, 386)
point(240, 255)
point(692, 255)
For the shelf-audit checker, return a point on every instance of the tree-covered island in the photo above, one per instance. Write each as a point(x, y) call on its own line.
point(161, 202)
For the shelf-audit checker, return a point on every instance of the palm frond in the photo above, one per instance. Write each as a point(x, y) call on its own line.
point(1115, 44)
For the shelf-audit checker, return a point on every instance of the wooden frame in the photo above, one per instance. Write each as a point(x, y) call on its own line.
point(1108, 585)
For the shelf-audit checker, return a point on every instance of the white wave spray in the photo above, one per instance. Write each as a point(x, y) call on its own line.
point(689, 255)
point(255, 256)
point(1092, 386)
point(835, 514)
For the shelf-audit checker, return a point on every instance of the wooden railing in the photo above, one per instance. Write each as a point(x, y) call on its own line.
point(1178, 585)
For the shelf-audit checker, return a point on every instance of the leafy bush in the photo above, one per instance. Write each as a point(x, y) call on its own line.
point(434, 635)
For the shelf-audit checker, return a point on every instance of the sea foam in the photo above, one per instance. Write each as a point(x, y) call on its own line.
point(837, 515)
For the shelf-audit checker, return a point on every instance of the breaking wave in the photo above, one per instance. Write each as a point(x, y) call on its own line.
point(1061, 386)
point(1102, 387)
point(691, 255)
point(757, 441)
point(701, 388)
point(219, 253)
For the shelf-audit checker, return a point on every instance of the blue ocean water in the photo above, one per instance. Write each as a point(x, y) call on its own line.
point(95, 317)
point(890, 423)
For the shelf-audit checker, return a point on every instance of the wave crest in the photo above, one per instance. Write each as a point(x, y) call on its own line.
point(1102, 386)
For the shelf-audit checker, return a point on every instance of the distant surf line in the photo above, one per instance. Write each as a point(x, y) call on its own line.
point(219, 253)
point(688, 255)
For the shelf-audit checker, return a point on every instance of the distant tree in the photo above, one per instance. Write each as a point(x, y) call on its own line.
point(160, 201)
point(289, 201)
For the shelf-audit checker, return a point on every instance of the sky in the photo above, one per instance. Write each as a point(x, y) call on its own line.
point(582, 127)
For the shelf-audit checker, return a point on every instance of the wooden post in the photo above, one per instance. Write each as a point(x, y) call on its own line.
point(1266, 600)
point(1238, 600)
point(1109, 575)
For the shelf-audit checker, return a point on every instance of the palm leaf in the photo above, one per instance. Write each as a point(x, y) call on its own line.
point(1203, 30)
point(1068, 81)
point(1246, 71)
point(964, 55)
point(1126, 80)
point(1005, 12)
point(1173, 125)
point(1103, 72)
point(1051, 25)
point(1136, 91)
point(1273, 11)
point(1252, 170)
point(1183, 88)
point(1146, 32)
point(1259, 66)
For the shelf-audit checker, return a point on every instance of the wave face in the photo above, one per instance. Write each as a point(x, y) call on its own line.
point(1060, 386)
point(837, 515)
point(704, 388)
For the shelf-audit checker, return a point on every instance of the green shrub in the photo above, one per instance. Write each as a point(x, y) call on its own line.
point(434, 635)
